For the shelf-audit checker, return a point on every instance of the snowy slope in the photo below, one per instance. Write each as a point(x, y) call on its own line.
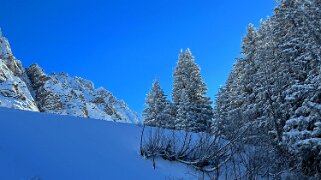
point(47, 146)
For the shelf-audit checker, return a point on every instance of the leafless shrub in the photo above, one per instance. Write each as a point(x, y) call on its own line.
point(202, 151)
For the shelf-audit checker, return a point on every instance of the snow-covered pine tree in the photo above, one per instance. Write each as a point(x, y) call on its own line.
point(222, 124)
point(188, 80)
point(285, 82)
point(158, 110)
point(302, 131)
point(227, 111)
point(235, 109)
point(169, 113)
point(184, 117)
point(271, 81)
point(179, 78)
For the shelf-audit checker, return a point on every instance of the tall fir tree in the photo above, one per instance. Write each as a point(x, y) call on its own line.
point(302, 130)
point(184, 116)
point(276, 85)
point(158, 110)
point(189, 89)
point(235, 110)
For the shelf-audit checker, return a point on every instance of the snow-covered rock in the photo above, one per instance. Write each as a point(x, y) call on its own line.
point(14, 90)
point(62, 94)
point(32, 89)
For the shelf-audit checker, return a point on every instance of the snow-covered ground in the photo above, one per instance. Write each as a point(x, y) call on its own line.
point(46, 146)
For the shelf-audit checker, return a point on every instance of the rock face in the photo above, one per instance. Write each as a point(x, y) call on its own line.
point(32, 89)
point(14, 89)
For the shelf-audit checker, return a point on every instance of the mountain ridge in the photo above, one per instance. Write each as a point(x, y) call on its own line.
point(33, 90)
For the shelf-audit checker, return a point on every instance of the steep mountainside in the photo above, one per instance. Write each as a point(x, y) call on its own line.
point(32, 89)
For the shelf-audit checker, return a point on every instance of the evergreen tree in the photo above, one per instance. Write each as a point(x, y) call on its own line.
point(188, 80)
point(158, 111)
point(235, 103)
point(302, 134)
point(169, 114)
point(184, 117)
point(274, 90)
point(219, 125)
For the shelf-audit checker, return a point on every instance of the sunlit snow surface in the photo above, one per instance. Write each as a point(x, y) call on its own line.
point(46, 146)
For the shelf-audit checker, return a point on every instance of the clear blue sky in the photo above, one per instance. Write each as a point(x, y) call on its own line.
point(123, 45)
